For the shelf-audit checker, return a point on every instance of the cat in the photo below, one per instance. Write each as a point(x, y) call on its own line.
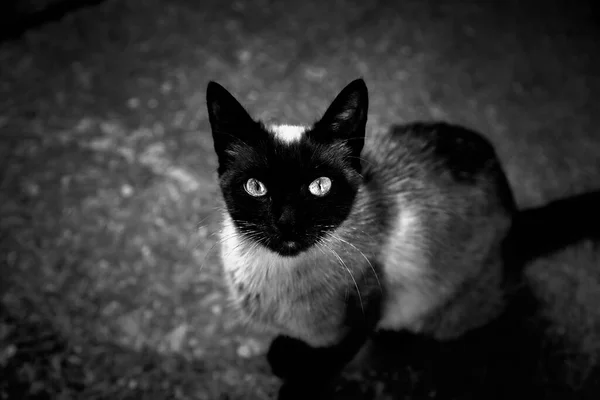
point(330, 234)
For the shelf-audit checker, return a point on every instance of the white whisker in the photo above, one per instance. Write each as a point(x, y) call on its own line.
point(343, 264)
point(255, 237)
point(361, 253)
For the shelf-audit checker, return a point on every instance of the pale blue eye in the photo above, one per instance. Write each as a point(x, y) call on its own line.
point(255, 187)
point(320, 186)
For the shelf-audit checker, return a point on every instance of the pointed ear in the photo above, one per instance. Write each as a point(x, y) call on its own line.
point(229, 120)
point(346, 118)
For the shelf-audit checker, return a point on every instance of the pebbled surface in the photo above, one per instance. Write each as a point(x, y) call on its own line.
point(108, 202)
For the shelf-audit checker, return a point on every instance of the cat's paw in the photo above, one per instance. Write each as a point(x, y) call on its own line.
point(304, 390)
point(289, 358)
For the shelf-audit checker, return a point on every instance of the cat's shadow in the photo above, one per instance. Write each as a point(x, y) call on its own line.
point(512, 356)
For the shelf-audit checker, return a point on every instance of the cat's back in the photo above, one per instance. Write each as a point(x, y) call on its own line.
point(436, 158)
point(451, 151)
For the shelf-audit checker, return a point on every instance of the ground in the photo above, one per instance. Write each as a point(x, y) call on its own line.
point(111, 287)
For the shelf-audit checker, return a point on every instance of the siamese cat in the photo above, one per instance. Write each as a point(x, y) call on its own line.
point(330, 234)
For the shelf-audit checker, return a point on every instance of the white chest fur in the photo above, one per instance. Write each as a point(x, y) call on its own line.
point(292, 295)
point(249, 263)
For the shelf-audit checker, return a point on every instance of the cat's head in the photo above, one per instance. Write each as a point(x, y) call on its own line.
point(286, 187)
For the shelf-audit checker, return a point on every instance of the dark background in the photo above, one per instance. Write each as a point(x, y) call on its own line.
point(110, 283)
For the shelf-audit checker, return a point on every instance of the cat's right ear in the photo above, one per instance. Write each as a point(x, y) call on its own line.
point(346, 117)
point(229, 121)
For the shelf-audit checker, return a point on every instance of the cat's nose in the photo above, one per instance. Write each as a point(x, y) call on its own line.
point(287, 217)
point(286, 222)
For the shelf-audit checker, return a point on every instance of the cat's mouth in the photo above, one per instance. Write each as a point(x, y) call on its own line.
point(287, 246)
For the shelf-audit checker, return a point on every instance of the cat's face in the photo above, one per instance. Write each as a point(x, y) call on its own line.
point(287, 187)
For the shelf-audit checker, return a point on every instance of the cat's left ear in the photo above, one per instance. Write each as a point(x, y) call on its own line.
point(230, 122)
point(346, 118)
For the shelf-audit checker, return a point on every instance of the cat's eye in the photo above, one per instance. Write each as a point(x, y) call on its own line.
point(320, 186)
point(255, 187)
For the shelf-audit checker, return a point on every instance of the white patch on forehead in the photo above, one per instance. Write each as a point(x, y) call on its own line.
point(288, 133)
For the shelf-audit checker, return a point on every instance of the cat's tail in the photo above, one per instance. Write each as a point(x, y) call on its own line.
point(549, 228)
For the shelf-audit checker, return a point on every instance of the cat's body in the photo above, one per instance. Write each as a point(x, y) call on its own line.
point(420, 242)
point(408, 235)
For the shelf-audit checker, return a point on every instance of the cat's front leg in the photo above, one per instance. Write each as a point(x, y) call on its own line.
point(289, 357)
point(307, 371)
